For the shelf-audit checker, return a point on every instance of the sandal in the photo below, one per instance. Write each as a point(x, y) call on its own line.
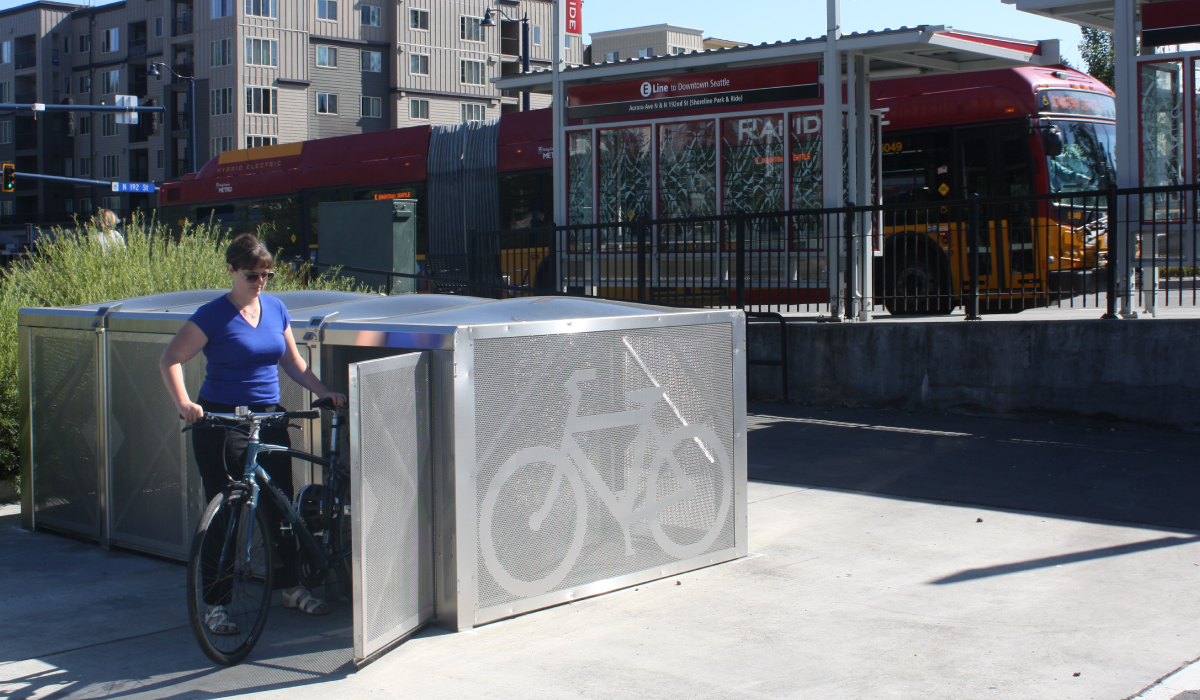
point(305, 602)
point(218, 622)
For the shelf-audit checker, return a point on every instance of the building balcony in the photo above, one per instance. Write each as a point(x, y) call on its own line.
point(182, 121)
point(26, 140)
point(181, 26)
point(137, 47)
point(26, 59)
point(185, 70)
point(25, 98)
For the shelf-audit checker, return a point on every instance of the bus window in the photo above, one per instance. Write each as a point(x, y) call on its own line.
point(526, 200)
point(915, 166)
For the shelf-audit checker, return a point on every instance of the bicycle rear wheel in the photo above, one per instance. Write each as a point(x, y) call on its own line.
point(219, 573)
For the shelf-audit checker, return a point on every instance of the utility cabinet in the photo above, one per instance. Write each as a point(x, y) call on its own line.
point(371, 235)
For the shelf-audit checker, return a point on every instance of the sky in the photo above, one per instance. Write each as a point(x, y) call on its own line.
point(779, 20)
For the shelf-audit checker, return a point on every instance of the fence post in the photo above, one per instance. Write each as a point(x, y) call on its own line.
point(973, 299)
point(1110, 267)
point(642, 228)
point(849, 307)
point(740, 257)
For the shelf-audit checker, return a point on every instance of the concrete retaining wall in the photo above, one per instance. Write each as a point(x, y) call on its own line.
point(1145, 371)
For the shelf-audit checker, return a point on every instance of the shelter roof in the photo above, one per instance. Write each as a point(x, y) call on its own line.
point(1086, 13)
point(919, 50)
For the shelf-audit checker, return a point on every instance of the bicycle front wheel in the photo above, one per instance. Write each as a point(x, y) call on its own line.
point(221, 573)
point(691, 485)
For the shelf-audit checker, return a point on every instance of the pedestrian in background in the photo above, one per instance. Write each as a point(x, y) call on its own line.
point(106, 230)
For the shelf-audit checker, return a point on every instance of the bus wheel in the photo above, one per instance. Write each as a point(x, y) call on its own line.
point(916, 287)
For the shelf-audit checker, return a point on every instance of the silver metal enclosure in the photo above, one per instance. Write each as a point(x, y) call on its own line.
point(101, 441)
point(579, 446)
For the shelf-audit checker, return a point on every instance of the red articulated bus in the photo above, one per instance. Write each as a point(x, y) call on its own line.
point(1003, 133)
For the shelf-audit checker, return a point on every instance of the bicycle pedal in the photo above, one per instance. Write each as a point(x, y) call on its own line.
point(285, 529)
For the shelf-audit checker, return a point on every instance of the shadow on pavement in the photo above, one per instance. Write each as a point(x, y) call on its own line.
point(1135, 476)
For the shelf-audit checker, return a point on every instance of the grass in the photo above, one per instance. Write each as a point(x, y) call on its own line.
point(69, 267)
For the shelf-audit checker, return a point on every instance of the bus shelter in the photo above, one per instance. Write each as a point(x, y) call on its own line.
point(740, 130)
point(1156, 47)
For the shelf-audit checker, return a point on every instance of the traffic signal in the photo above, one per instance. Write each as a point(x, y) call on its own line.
point(10, 176)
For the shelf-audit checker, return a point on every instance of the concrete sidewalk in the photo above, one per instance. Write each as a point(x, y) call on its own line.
point(846, 595)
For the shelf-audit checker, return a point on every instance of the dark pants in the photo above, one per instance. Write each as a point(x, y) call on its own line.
point(221, 455)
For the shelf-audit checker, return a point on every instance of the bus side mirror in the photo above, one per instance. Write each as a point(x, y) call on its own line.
point(1052, 141)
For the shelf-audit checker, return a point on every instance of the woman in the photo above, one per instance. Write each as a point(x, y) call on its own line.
point(106, 230)
point(244, 336)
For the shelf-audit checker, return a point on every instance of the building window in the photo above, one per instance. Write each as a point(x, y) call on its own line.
point(221, 8)
point(327, 103)
point(327, 56)
point(69, 167)
point(474, 112)
point(469, 28)
point(260, 141)
point(110, 40)
point(537, 35)
point(85, 43)
point(261, 100)
point(85, 205)
point(645, 53)
point(111, 81)
point(611, 56)
point(372, 107)
point(221, 102)
point(111, 166)
point(66, 87)
point(158, 26)
point(7, 207)
point(6, 92)
point(327, 9)
point(66, 44)
point(85, 127)
point(370, 15)
point(220, 53)
point(262, 52)
point(111, 203)
point(85, 84)
point(418, 19)
point(261, 8)
point(108, 125)
point(418, 64)
point(5, 132)
point(219, 145)
point(160, 158)
point(473, 72)
point(418, 109)
point(6, 52)
point(85, 166)
point(676, 50)
point(68, 206)
point(372, 61)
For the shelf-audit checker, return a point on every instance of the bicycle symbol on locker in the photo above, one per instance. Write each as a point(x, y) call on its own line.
point(661, 493)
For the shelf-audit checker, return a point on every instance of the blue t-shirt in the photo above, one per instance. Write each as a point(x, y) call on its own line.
point(242, 359)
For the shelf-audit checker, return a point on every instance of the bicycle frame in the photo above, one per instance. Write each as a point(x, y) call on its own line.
point(255, 478)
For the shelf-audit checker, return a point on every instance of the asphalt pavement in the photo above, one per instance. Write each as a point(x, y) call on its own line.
point(892, 555)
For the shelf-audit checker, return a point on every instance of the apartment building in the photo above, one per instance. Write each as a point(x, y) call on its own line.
point(652, 40)
point(265, 72)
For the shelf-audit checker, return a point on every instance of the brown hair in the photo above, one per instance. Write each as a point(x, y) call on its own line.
point(246, 252)
point(106, 219)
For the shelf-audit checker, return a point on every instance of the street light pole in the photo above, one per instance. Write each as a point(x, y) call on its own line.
point(488, 21)
point(193, 154)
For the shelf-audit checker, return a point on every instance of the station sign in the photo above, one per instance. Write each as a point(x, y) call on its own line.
point(574, 16)
point(744, 86)
point(1170, 22)
point(133, 187)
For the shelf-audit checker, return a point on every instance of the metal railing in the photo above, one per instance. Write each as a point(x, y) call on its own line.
point(181, 25)
point(1110, 250)
point(137, 47)
point(25, 59)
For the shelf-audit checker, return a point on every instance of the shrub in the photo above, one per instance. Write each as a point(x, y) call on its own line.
point(69, 267)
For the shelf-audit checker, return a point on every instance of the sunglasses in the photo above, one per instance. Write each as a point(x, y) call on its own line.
point(254, 277)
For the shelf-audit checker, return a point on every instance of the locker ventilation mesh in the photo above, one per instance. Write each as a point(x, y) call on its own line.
point(521, 401)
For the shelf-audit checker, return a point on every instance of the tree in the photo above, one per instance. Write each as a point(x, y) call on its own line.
point(1097, 51)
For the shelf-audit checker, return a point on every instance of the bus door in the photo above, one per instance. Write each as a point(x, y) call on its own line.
point(996, 164)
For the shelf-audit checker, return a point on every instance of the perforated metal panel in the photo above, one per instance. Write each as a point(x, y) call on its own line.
point(390, 500)
point(294, 397)
point(67, 466)
point(600, 455)
point(147, 452)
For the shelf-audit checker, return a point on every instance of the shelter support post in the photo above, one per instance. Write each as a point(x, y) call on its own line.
point(864, 166)
point(559, 144)
point(831, 160)
point(1125, 52)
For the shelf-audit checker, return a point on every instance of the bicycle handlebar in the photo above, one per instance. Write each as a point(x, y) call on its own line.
point(221, 419)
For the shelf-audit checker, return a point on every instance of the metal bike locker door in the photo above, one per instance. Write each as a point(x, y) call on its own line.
point(391, 501)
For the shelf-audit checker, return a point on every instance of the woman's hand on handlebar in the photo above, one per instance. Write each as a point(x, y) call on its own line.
point(190, 412)
point(338, 400)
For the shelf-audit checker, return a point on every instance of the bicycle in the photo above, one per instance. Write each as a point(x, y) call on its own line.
point(231, 562)
point(638, 501)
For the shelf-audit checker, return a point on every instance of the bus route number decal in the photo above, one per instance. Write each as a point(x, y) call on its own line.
point(894, 147)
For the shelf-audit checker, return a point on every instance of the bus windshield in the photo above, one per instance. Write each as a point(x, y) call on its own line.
point(1086, 162)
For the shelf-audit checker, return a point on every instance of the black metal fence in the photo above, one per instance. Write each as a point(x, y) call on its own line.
point(1106, 249)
